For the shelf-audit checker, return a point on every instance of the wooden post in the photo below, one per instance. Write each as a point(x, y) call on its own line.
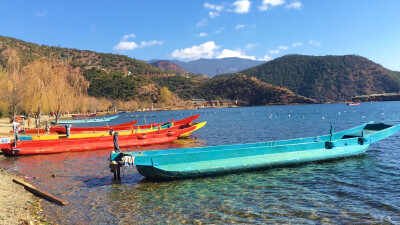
point(41, 193)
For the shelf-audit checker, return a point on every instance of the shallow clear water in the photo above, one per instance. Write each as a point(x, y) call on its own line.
point(363, 189)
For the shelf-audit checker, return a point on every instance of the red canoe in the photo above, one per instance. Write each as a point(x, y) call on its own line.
point(121, 127)
point(91, 144)
point(59, 129)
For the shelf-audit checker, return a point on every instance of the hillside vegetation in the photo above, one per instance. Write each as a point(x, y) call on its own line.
point(327, 78)
point(248, 90)
point(29, 52)
point(290, 79)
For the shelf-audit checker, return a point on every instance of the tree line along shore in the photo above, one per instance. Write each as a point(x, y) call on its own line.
point(47, 86)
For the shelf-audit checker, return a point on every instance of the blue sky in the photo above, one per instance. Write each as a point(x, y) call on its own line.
point(192, 29)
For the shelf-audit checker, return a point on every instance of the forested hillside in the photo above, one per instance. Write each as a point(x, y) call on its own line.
point(248, 90)
point(117, 77)
point(327, 78)
point(167, 66)
point(85, 59)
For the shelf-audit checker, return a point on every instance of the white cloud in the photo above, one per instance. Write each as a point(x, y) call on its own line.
point(297, 44)
point(205, 50)
point(202, 34)
point(315, 43)
point(214, 9)
point(266, 4)
point(41, 14)
point(201, 23)
point(219, 30)
point(281, 47)
point(294, 5)
point(150, 43)
point(241, 6)
point(128, 36)
point(125, 45)
point(227, 53)
point(239, 26)
point(213, 14)
point(277, 51)
point(274, 52)
point(250, 46)
point(217, 8)
point(266, 58)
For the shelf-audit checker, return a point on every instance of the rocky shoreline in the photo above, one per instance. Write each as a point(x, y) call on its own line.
point(18, 206)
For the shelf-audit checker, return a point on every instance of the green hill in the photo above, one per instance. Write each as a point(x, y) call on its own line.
point(327, 78)
point(111, 76)
point(248, 90)
point(82, 58)
point(282, 81)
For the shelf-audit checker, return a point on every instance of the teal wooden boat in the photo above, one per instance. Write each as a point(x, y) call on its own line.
point(95, 120)
point(212, 160)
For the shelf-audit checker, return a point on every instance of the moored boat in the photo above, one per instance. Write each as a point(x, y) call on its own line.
point(84, 115)
point(121, 127)
point(159, 129)
point(353, 103)
point(95, 120)
point(89, 144)
point(61, 129)
point(213, 160)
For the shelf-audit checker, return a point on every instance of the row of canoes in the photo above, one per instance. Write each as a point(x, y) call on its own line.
point(142, 136)
point(118, 127)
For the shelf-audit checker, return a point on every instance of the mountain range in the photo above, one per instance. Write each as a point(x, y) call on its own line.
point(291, 79)
point(212, 67)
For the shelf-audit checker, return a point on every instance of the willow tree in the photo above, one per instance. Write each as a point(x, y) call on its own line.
point(69, 87)
point(164, 97)
point(11, 85)
point(39, 76)
point(4, 104)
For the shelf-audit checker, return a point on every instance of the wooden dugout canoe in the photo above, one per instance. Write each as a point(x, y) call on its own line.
point(89, 144)
point(95, 120)
point(61, 129)
point(84, 115)
point(160, 129)
point(118, 127)
point(213, 160)
point(121, 127)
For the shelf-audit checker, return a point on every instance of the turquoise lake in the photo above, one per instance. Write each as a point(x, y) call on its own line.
point(357, 190)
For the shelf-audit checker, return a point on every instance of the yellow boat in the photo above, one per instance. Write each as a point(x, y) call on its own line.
point(102, 134)
point(198, 126)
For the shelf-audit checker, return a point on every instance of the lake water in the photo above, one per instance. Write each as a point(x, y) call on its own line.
point(358, 190)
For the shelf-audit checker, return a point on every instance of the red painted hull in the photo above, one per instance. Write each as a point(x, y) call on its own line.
point(357, 103)
point(121, 127)
point(59, 129)
point(91, 144)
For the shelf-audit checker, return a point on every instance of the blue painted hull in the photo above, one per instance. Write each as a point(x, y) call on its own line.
point(213, 160)
point(97, 120)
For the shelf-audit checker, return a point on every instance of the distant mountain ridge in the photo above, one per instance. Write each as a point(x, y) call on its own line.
point(212, 67)
point(167, 66)
point(327, 78)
